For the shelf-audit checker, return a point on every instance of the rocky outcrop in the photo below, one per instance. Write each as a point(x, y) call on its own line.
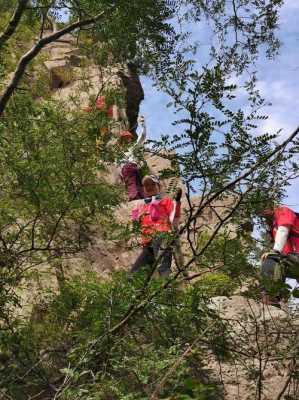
point(260, 338)
point(63, 55)
point(71, 74)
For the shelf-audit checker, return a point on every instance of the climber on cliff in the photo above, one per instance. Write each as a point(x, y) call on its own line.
point(130, 161)
point(155, 215)
point(283, 261)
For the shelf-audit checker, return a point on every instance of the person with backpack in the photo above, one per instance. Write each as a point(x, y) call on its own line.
point(130, 160)
point(283, 261)
point(156, 215)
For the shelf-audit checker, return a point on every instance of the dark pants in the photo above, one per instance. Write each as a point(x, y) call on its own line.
point(275, 270)
point(278, 269)
point(132, 180)
point(150, 253)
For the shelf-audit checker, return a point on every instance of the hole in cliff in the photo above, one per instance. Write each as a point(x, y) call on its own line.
point(57, 82)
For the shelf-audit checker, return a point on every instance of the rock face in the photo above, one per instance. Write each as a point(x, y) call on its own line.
point(72, 75)
point(257, 334)
point(63, 56)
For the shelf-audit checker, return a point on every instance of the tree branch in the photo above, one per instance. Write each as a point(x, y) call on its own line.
point(231, 184)
point(156, 393)
point(14, 22)
point(33, 52)
point(236, 21)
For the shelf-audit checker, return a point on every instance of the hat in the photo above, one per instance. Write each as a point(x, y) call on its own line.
point(153, 178)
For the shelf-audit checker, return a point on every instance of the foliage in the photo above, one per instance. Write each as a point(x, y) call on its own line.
point(50, 191)
point(136, 337)
point(74, 323)
point(217, 284)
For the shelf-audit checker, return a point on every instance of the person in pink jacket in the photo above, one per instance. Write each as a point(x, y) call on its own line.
point(156, 216)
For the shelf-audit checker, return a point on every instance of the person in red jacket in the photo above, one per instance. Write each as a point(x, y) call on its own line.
point(283, 261)
point(156, 216)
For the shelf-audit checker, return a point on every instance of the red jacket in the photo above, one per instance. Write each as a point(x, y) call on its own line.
point(156, 216)
point(284, 216)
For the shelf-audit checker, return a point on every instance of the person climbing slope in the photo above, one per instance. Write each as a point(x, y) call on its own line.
point(283, 261)
point(155, 215)
point(130, 160)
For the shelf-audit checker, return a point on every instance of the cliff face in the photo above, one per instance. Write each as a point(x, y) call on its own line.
point(258, 334)
point(72, 76)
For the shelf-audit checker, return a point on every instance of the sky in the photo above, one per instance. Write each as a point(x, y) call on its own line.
point(278, 84)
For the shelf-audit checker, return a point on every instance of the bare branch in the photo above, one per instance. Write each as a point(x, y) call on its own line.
point(236, 21)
